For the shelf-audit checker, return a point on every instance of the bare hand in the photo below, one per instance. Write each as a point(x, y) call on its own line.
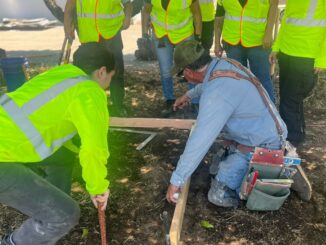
point(126, 23)
point(172, 193)
point(268, 41)
point(181, 102)
point(103, 198)
point(272, 58)
point(218, 50)
point(318, 70)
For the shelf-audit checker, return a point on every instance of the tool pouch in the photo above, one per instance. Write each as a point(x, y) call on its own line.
point(262, 187)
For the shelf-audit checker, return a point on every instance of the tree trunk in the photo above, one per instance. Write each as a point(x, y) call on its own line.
point(55, 9)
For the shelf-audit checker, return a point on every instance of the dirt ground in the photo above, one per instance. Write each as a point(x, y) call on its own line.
point(139, 180)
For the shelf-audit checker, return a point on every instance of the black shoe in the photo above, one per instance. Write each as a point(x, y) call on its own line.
point(168, 111)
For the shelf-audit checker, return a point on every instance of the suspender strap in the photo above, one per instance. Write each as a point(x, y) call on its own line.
point(251, 78)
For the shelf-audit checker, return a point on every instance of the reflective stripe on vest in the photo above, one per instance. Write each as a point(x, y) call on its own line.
point(308, 21)
point(206, 1)
point(20, 115)
point(171, 27)
point(100, 16)
point(246, 18)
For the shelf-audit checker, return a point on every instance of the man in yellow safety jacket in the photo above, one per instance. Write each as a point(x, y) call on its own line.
point(102, 21)
point(174, 21)
point(301, 51)
point(37, 123)
point(246, 27)
point(207, 9)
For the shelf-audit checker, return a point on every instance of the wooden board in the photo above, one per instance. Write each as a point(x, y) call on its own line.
point(177, 220)
point(151, 123)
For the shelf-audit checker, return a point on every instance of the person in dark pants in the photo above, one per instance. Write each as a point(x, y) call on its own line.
point(37, 124)
point(102, 22)
point(207, 9)
point(301, 51)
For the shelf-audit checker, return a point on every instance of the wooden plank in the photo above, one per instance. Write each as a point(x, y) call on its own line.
point(151, 123)
point(177, 220)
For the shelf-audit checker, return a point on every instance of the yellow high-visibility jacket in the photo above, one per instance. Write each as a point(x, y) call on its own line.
point(207, 9)
point(47, 111)
point(303, 31)
point(176, 22)
point(245, 26)
point(98, 18)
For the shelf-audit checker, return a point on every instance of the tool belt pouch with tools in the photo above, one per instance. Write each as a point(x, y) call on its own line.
point(265, 187)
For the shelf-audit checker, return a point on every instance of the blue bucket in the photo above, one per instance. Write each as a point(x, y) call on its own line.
point(14, 72)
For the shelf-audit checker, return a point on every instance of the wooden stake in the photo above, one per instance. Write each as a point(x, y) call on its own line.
point(101, 218)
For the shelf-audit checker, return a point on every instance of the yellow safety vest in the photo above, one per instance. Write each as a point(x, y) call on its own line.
point(176, 22)
point(303, 30)
point(207, 9)
point(47, 111)
point(245, 26)
point(98, 18)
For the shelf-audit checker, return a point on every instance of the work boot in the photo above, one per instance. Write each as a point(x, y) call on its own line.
point(168, 111)
point(301, 185)
point(221, 195)
point(7, 240)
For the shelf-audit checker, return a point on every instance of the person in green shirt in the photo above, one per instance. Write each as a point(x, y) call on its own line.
point(38, 122)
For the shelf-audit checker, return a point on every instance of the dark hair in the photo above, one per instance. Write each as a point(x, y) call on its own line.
point(92, 56)
point(204, 59)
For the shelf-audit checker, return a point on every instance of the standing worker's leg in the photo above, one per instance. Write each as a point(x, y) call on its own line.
point(297, 79)
point(52, 212)
point(259, 65)
point(207, 35)
point(164, 51)
point(226, 184)
point(117, 91)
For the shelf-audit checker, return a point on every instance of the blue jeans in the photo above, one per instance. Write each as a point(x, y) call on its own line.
point(51, 211)
point(258, 63)
point(233, 169)
point(164, 51)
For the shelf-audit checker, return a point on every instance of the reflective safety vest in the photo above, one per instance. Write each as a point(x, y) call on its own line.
point(207, 9)
point(98, 18)
point(47, 111)
point(244, 25)
point(176, 22)
point(303, 30)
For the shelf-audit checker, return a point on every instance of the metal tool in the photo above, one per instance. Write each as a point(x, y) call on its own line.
point(62, 50)
point(65, 51)
point(67, 56)
point(101, 218)
point(165, 217)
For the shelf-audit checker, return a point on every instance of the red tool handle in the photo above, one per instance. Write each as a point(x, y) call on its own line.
point(101, 218)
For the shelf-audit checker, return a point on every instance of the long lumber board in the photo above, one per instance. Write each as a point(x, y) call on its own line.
point(151, 123)
point(177, 220)
point(179, 211)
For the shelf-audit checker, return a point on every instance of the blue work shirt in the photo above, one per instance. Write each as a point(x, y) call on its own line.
point(232, 106)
